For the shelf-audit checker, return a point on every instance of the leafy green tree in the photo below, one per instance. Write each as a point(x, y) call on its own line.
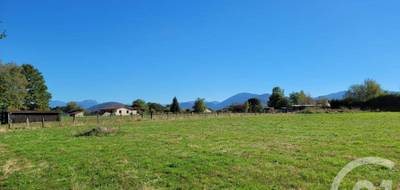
point(155, 107)
point(38, 96)
point(12, 87)
point(199, 106)
point(71, 106)
point(277, 99)
point(140, 105)
point(255, 105)
point(300, 98)
point(366, 91)
point(174, 107)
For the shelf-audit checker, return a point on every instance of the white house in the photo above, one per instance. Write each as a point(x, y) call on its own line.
point(124, 111)
point(118, 110)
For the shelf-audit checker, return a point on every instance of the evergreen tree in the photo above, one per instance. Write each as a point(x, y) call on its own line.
point(38, 96)
point(199, 106)
point(174, 108)
point(12, 87)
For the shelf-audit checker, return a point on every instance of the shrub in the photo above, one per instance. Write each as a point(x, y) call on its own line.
point(384, 103)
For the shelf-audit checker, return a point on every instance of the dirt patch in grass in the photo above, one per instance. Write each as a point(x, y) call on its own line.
point(13, 164)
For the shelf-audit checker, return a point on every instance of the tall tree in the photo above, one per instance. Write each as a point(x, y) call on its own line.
point(366, 91)
point(277, 99)
point(255, 105)
point(300, 98)
point(38, 96)
point(12, 87)
point(199, 106)
point(140, 105)
point(174, 107)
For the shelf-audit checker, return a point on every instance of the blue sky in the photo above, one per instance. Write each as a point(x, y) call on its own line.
point(124, 50)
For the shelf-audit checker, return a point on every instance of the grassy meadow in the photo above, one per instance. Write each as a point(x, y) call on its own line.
point(288, 151)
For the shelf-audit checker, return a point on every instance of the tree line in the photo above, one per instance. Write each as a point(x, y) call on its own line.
point(22, 88)
point(368, 96)
point(151, 107)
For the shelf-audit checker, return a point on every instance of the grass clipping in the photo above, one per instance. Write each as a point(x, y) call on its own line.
point(98, 131)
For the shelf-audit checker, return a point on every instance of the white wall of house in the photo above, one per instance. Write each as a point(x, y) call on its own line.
point(124, 111)
point(79, 114)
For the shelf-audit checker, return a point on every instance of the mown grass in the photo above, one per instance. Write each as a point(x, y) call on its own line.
point(295, 151)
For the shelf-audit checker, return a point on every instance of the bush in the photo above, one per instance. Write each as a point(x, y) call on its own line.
point(384, 103)
point(390, 102)
point(346, 103)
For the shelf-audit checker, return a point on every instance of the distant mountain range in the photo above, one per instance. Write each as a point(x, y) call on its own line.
point(243, 97)
point(333, 96)
point(85, 104)
point(236, 99)
point(240, 98)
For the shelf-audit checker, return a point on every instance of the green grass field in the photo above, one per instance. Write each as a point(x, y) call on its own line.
point(294, 151)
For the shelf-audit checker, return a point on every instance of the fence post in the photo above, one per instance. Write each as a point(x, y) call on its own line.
point(9, 120)
point(97, 118)
point(42, 121)
point(73, 119)
point(27, 121)
point(60, 120)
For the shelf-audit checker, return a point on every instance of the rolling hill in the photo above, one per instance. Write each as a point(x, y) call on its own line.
point(85, 104)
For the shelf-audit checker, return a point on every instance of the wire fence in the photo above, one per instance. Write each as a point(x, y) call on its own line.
point(114, 120)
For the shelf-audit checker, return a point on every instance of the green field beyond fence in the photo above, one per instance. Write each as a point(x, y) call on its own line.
point(67, 121)
point(282, 151)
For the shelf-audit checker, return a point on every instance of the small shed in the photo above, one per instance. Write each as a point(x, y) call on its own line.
point(32, 116)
